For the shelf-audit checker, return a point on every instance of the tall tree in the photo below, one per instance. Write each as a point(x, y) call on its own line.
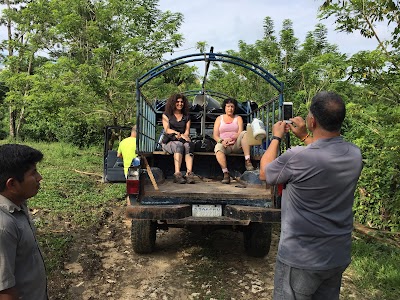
point(288, 43)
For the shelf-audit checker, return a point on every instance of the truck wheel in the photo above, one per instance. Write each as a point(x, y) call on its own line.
point(143, 236)
point(257, 239)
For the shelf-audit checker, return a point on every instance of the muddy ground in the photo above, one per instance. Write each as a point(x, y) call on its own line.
point(102, 265)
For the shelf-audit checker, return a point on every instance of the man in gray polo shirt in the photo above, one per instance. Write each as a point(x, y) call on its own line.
point(22, 270)
point(317, 218)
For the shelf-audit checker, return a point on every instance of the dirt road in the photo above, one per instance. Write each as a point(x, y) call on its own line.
point(185, 265)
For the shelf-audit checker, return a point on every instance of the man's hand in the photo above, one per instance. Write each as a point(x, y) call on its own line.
point(279, 129)
point(298, 127)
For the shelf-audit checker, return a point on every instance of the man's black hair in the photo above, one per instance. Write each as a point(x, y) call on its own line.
point(15, 161)
point(329, 110)
point(229, 100)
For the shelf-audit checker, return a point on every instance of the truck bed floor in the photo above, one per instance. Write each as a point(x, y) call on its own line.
point(211, 188)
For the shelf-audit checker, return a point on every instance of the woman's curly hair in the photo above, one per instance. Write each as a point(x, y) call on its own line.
point(170, 105)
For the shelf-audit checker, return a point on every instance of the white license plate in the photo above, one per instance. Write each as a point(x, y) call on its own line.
point(200, 210)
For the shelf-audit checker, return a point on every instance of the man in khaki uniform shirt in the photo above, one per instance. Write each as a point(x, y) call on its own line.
point(22, 270)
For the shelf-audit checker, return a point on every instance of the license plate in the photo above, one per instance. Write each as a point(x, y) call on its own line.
point(200, 210)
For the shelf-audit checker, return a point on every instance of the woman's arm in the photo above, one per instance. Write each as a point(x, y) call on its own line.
point(217, 123)
point(240, 125)
point(240, 128)
point(167, 129)
point(186, 134)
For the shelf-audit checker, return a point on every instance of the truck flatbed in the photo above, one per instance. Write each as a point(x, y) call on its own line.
point(213, 189)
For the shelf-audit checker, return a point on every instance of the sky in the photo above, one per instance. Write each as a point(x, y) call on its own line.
point(222, 23)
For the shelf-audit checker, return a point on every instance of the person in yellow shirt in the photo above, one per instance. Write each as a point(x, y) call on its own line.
point(127, 150)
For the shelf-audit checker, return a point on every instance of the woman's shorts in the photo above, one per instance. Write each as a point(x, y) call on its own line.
point(176, 147)
point(235, 148)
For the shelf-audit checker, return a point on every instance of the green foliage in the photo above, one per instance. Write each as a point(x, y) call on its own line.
point(375, 269)
point(68, 201)
point(67, 194)
point(58, 245)
point(378, 198)
point(362, 15)
point(97, 50)
point(375, 115)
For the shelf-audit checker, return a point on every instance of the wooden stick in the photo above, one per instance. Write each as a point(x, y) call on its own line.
point(374, 234)
point(153, 180)
point(88, 173)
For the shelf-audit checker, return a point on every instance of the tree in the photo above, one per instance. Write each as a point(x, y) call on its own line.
point(105, 44)
point(26, 30)
point(362, 16)
point(288, 43)
point(374, 114)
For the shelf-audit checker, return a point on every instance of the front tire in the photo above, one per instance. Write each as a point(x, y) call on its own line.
point(143, 236)
point(257, 239)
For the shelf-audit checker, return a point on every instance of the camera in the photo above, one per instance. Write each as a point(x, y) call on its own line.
point(287, 111)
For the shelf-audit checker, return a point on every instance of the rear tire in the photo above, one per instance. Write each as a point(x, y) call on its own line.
point(257, 239)
point(143, 236)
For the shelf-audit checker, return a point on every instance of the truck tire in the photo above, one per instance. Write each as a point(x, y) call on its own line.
point(143, 236)
point(257, 239)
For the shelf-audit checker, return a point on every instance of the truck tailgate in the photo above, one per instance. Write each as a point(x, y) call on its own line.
point(208, 191)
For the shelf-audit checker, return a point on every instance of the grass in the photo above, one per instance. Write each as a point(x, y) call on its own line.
point(70, 195)
point(375, 269)
point(68, 201)
point(72, 201)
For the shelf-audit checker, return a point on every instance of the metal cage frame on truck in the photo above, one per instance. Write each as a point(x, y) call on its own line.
point(143, 119)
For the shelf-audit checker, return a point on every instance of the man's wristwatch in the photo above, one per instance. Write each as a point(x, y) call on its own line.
point(220, 141)
point(276, 138)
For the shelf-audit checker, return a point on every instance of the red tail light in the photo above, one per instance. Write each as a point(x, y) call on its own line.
point(132, 186)
point(280, 189)
point(132, 181)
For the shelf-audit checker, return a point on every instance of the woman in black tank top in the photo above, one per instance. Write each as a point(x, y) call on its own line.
point(176, 123)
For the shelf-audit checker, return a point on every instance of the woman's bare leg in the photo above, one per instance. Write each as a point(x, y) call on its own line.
point(177, 162)
point(221, 158)
point(189, 163)
point(245, 145)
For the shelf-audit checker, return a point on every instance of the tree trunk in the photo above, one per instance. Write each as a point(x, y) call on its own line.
point(9, 32)
point(12, 122)
point(10, 49)
point(20, 120)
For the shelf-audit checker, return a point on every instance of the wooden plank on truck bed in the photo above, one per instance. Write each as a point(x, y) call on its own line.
point(212, 189)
